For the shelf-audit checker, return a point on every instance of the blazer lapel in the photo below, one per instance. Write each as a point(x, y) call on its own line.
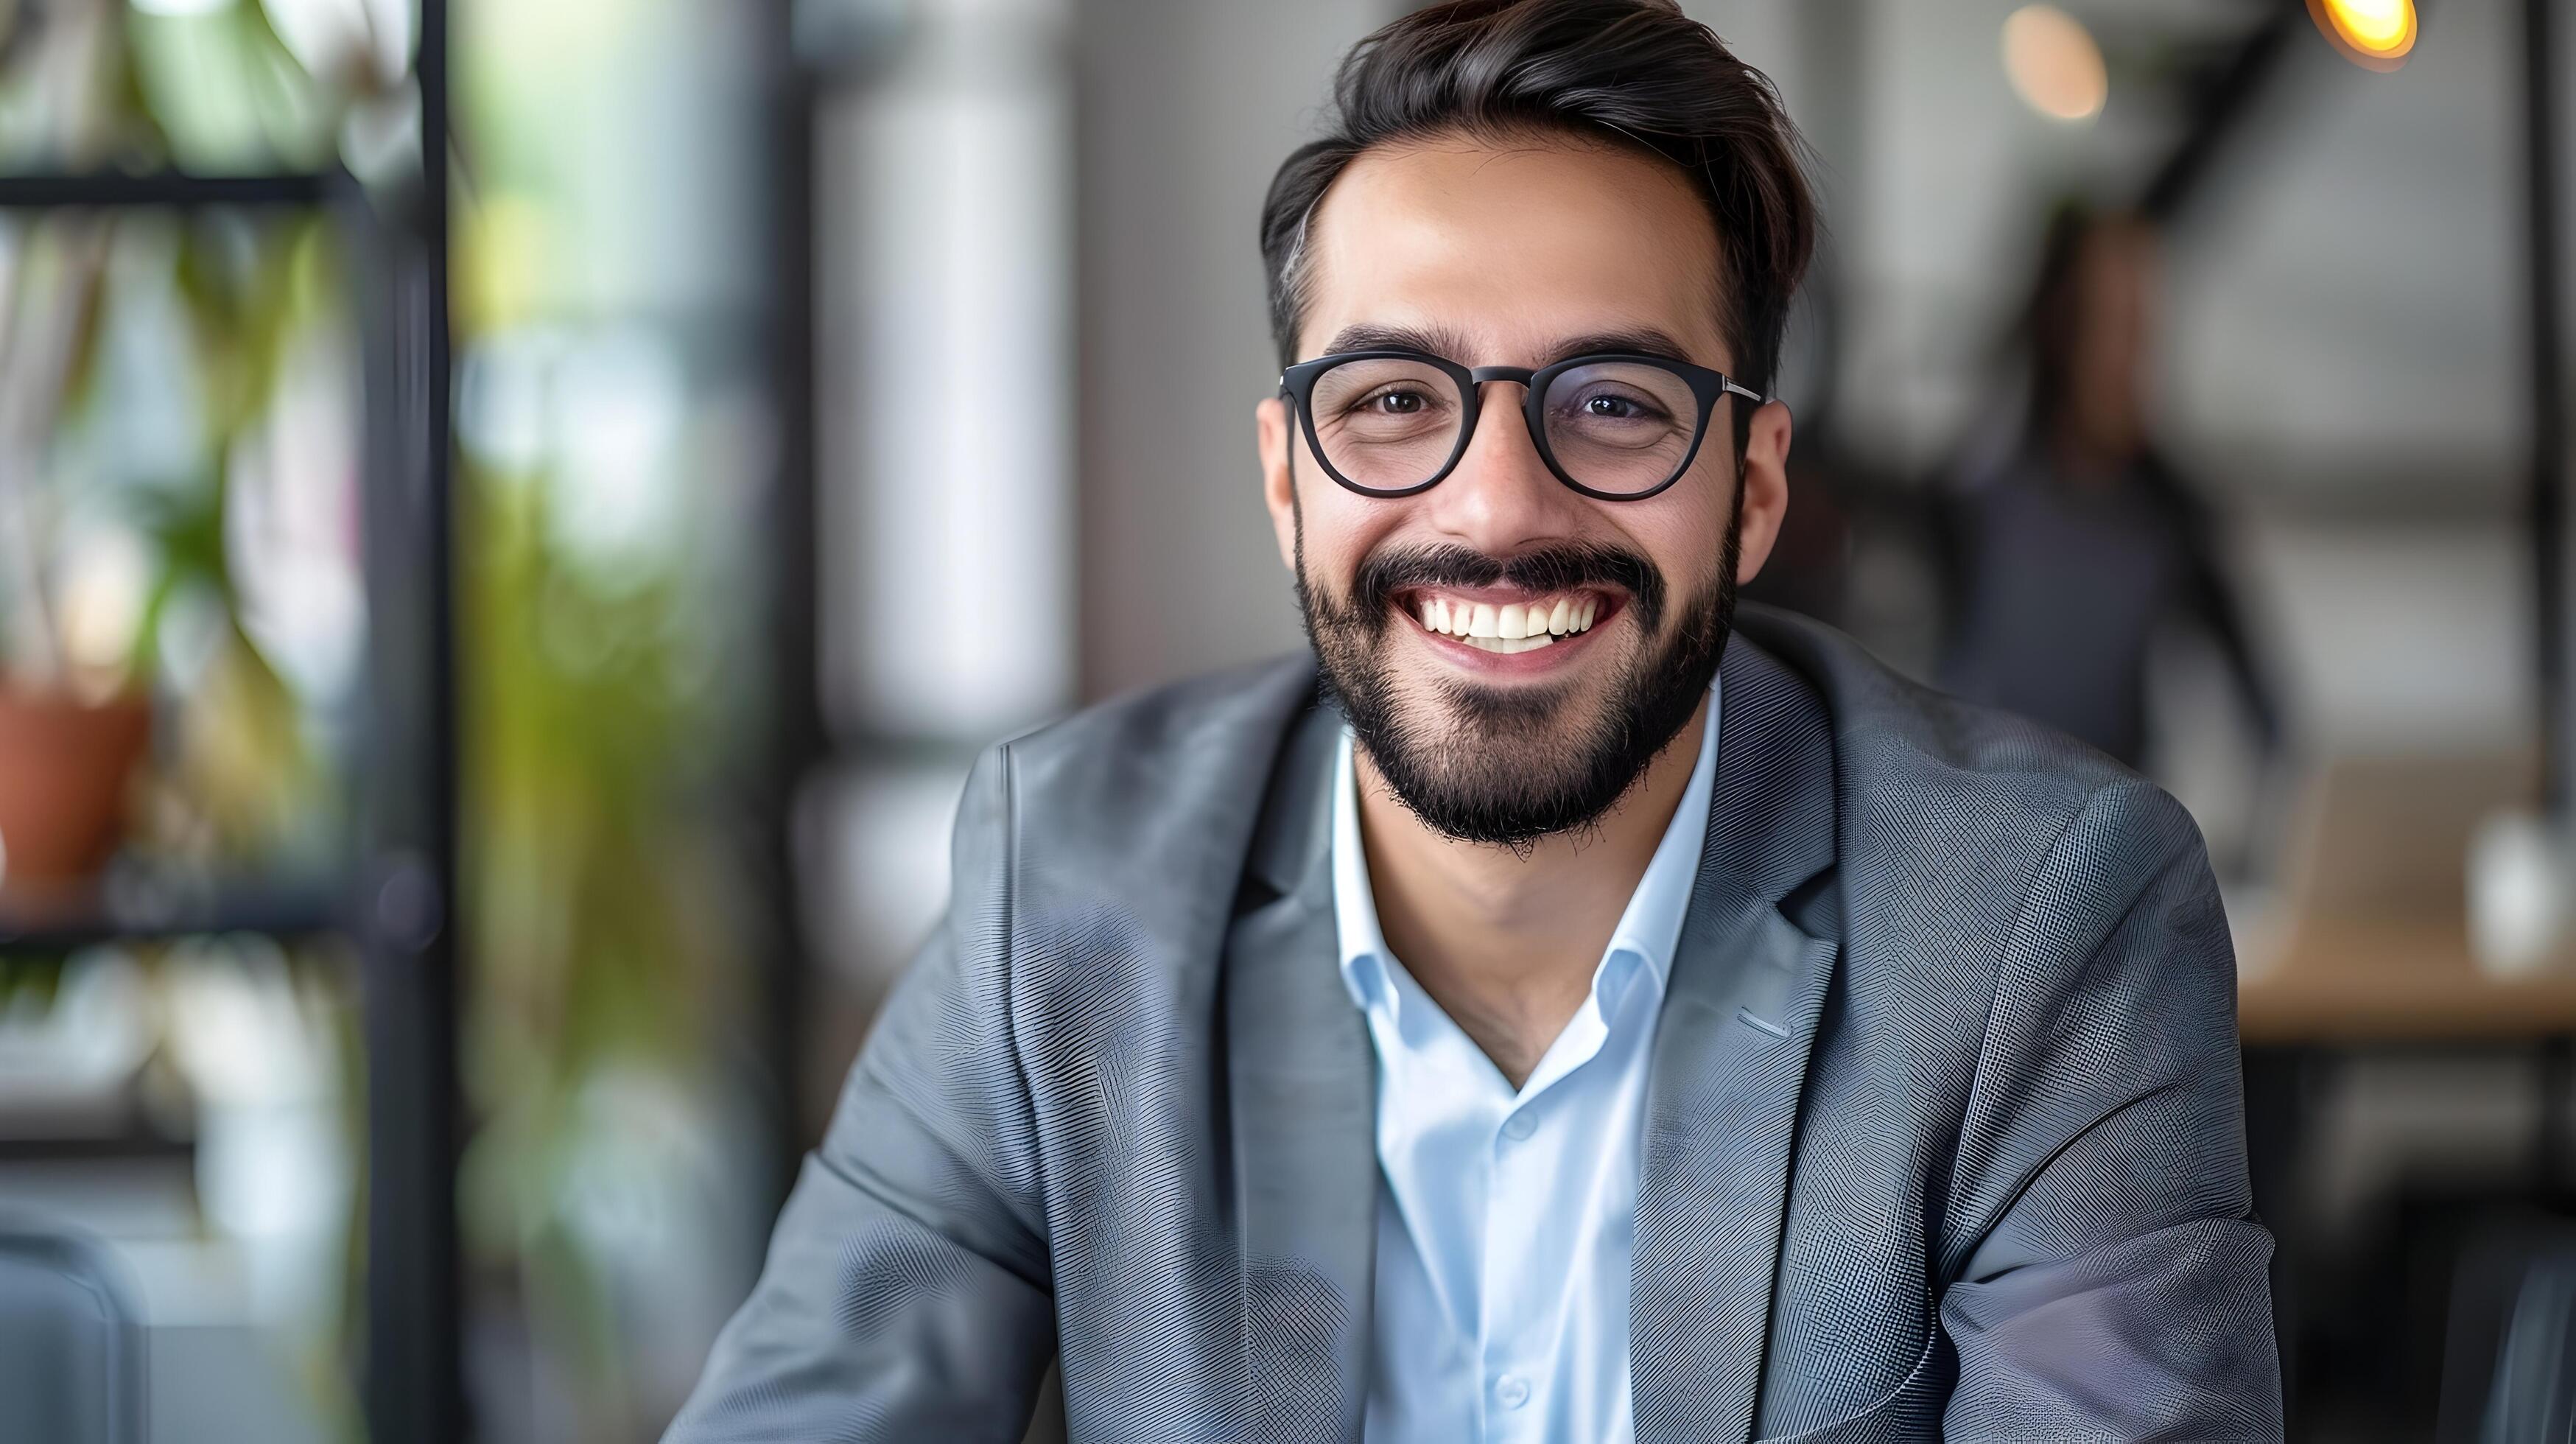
point(1731, 1049)
point(1301, 1082)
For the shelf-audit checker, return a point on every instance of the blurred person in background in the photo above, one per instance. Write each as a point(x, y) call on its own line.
point(2070, 544)
point(1562, 1006)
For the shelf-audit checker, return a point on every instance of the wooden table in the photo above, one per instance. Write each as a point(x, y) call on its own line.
point(2355, 980)
point(2374, 946)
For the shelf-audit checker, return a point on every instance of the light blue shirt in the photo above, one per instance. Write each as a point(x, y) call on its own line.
point(1505, 1219)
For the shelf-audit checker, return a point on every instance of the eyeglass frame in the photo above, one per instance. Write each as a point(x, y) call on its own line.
point(1297, 385)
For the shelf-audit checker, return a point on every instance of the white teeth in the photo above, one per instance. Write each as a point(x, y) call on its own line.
point(1512, 627)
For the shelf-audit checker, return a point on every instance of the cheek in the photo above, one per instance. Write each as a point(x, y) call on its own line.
point(1683, 534)
point(1341, 530)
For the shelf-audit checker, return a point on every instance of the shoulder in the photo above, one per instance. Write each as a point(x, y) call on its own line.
point(1951, 813)
point(1124, 819)
point(1890, 731)
point(1136, 748)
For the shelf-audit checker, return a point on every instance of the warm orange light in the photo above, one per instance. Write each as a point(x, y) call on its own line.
point(2053, 63)
point(2372, 33)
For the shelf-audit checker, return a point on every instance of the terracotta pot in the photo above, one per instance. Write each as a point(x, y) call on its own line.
point(64, 765)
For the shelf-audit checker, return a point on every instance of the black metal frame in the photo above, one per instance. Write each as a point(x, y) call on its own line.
point(397, 903)
point(2547, 495)
point(2220, 109)
point(796, 741)
point(1297, 384)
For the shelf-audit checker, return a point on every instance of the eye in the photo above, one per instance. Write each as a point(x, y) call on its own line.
point(1396, 403)
point(1618, 403)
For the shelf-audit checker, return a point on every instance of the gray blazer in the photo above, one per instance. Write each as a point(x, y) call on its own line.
point(1943, 1136)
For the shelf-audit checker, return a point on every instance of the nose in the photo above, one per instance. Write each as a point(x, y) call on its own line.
point(1501, 498)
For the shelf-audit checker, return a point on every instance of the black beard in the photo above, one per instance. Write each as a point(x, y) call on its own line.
point(1511, 779)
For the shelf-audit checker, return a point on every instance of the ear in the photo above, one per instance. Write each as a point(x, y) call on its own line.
point(1765, 494)
point(1271, 433)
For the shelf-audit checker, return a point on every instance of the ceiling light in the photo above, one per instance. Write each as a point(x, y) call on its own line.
point(2372, 33)
point(2053, 63)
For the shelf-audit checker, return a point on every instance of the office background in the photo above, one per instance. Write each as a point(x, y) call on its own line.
point(466, 787)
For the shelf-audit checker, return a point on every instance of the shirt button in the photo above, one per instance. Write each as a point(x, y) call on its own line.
point(1512, 1391)
point(1519, 1126)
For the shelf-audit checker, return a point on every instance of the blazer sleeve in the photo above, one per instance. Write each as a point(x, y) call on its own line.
point(907, 1292)
point(2112, 1283)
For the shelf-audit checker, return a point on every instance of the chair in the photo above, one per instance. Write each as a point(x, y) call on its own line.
point(71, 1345)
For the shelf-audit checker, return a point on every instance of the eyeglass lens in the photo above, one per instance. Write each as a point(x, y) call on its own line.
point(1614, 426)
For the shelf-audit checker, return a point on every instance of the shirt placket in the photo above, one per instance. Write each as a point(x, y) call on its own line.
point(1512, 1373)
point(1525, 1261)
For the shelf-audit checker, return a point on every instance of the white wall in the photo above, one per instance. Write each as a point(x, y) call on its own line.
point(1185, 108)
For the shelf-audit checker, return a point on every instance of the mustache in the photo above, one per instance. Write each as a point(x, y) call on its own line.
point(1546, 569)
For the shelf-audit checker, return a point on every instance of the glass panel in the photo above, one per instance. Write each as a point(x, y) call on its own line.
point(618, 440)
point(179, 539)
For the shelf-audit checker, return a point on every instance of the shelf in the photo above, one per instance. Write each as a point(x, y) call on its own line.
point(95, 1149)
point(117, 913)
point(169, 190)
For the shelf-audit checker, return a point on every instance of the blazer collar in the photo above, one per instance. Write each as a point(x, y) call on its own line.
point(1301, 1080)
point(1730, 1060)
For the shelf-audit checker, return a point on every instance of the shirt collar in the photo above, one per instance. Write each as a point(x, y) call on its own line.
point(1651, 927)
point(1648, 931)
point(1354, 902)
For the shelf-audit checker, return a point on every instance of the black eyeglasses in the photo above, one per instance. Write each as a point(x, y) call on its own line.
point(1614, 426)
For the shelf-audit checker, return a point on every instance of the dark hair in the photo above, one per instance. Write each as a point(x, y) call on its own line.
point(1634, 72)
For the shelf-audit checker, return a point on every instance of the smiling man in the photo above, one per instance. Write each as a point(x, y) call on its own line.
point(1562, 1008)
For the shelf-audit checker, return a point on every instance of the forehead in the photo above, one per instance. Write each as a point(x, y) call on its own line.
point(1513, 245)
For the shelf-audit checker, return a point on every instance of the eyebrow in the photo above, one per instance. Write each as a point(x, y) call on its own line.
point(1638, 341)
point(1442, 341)
point(1437, 340)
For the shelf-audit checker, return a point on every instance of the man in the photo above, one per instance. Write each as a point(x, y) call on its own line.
point(1588, 1015)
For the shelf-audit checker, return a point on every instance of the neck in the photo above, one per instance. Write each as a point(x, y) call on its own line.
point(2093, 455)
point(1507, 943)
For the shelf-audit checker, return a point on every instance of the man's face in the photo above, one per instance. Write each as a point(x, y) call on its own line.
point(1510, 253)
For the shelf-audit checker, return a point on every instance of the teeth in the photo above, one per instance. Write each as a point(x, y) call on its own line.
point(1512, 627)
